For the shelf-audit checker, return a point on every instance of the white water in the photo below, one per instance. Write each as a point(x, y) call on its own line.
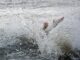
point(16, 22)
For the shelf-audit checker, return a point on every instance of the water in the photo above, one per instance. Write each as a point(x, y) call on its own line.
point(22, 37)
point(38, 3)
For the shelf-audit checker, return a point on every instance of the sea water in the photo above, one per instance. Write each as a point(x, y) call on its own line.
point(21, 36)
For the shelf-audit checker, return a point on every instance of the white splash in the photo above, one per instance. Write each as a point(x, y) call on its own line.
point(17, 22)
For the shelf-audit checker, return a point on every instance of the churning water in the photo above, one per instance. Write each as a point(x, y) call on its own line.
point(22, 36)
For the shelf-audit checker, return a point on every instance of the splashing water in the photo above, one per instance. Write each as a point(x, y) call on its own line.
point(22, 36)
